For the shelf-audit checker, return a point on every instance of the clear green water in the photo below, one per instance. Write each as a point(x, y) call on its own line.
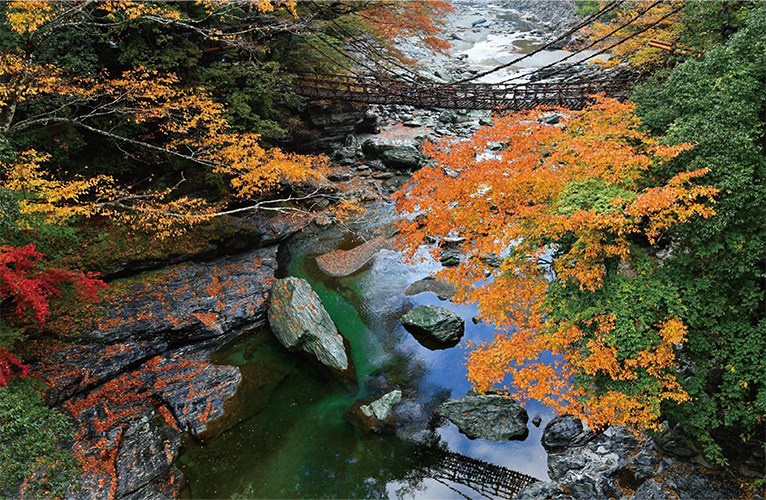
point(288, 437)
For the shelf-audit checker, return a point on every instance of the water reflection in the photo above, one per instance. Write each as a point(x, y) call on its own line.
point(288, 438)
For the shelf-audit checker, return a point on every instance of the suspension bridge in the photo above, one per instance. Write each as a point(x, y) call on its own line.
point(405, 87)
point(387, 90)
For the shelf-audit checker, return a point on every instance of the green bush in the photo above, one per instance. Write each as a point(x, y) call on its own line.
point(584, 8)
point(35, 460)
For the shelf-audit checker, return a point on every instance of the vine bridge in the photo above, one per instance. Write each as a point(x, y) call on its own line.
point(511, 97)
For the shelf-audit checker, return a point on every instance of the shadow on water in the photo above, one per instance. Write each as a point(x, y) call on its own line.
point(286, 436)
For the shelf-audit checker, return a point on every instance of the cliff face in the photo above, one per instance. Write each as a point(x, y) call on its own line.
point(557, 15)
point(141, 375)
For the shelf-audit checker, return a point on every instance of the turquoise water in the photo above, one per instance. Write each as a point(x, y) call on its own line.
point(288, 437)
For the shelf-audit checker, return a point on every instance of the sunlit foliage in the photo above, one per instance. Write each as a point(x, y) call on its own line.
point(574, 213)
point(631, 27)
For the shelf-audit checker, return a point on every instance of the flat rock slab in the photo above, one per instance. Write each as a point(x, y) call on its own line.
point(487, 416)
point(189, 302)
point(339, 263)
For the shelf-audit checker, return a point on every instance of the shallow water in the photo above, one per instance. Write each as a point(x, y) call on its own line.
point(292, 440)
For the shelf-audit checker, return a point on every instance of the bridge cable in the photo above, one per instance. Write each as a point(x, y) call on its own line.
point(343, 53)
point(610, 6)
point(369, 47)
point(620, 42)
point(331, 58)
point(583, 49)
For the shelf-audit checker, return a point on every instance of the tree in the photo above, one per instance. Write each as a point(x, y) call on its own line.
point(686, 29)
point(584, 228)
point(30, 288)
point(717, 102)
point(149, 105)
point(179, 122)
point(629, 29)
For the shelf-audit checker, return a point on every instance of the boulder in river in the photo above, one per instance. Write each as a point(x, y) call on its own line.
point(300, 322)
point(395, 183)
point(434, 327)
point(400, 157)
point(449, 257)
point(493, 417)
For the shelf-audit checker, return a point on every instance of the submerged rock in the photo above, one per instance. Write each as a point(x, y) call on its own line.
point(382, 406)
point(487, 416)
point(300, 321)
point(374, 416)
point(434, 327)
point(344, 262)
point(441, 288)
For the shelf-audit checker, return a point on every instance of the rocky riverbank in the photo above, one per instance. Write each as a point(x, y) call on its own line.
point(617, 463)
point(141, 376)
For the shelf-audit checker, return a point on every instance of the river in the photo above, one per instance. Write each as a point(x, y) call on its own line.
point(291, 440)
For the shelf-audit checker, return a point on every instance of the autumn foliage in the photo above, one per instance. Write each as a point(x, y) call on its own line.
point(633, 25)
point(573, 210)
point(7, 362)
point(392, 19)
point(180, 122)
point(30, 288)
